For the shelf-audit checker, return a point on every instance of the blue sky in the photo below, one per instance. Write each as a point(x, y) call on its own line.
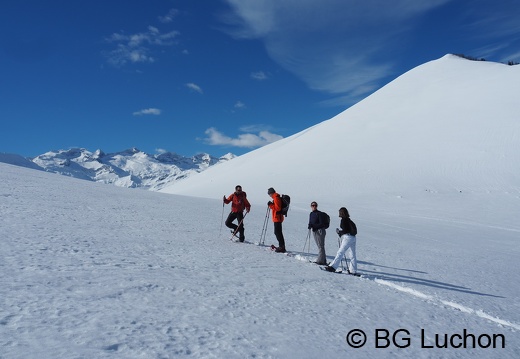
point(217, 76)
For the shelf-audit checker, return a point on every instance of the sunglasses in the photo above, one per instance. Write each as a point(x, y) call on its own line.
point(314, 205)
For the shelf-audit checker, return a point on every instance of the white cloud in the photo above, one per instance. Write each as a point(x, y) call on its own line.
point(169, 16)
point(329, 44)
point(246, 140)
point(240, 105)
point(260, 76)
point(194, 87)
point(148, 111)
point(136, 48)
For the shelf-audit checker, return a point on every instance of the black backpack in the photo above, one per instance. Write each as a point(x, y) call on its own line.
point(325, 219)
point(353, 228)
point(286, 201)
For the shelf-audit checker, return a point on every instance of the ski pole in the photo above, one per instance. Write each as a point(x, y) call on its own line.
point(309, 240)
point(266, 222)
point(265, 232)
point(222, 220)
point(264, 227)
point(239, 224)
point(345, 267)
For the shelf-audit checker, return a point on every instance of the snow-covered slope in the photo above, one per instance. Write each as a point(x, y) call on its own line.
point(96, 271)
point(17, 160)
point(130, 168)
point(448, 126)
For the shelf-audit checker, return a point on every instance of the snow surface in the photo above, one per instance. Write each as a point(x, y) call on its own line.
point(96, 271)
point(17, 160)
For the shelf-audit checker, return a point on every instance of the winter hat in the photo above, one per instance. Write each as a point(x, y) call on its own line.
point(270, 191)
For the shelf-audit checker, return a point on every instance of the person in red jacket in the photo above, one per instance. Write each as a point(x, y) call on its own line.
point(276, 207)
point(239, 202)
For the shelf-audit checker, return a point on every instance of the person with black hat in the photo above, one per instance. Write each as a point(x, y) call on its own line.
point(276, 207)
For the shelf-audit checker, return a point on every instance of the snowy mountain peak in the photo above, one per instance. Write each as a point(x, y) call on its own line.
point(448, 125)
point(128, 168)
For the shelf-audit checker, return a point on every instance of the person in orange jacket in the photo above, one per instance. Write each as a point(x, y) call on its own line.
point(239, 202)
point(276, 207)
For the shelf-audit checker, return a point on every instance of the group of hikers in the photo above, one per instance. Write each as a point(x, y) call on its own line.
point(317, 223)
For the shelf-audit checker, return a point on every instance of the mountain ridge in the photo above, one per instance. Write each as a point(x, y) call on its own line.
point(449, 125)
point(130, 168)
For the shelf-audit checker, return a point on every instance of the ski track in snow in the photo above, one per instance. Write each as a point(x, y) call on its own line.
point(452, 305)
point(416, 293)
point(412, 292)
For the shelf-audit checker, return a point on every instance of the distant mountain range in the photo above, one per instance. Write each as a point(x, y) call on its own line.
point(130, 168)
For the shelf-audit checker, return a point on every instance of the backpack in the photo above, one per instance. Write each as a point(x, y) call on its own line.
point(353, 228)
point(325, 219)
point(286, 201)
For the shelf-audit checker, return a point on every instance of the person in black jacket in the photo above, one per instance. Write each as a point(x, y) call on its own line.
point(317, 225)
point(347, 232)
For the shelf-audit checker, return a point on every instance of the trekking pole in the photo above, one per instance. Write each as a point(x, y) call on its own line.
point(222, 220)
point(309, 240)
point(339, 246)
point(344, 256)
point(239, 223)
point(264, 227)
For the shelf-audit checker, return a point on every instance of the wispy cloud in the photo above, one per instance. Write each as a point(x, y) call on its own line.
point(330, 44)
point(169, 16)
point(148, 111)
point(240, 105)
point(194, 87)
point(259, 75)
point(256, 128)
point(513, 56)
point(245, 140)
point(498, 19)
point(135, 48)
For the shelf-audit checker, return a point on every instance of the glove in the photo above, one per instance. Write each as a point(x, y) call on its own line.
point(337, 230)
point(224, 198)
point(247, 210)
point(269, 203)
point(309, 227)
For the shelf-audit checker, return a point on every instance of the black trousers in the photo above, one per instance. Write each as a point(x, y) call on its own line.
point(229, 223)
point(279, 234)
